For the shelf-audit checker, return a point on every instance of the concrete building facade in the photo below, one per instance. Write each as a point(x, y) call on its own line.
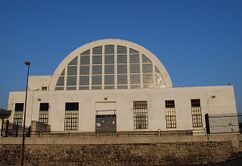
point(114, 85)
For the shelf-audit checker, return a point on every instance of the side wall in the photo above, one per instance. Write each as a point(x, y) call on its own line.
point(214, 100)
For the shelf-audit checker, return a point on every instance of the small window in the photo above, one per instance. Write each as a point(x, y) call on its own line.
point(18, 114)
point(71, 116)
point(140, 109)
point(170, 114)
point(43, 113)
point(196, 113)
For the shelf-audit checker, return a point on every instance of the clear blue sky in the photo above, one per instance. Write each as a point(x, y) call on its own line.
point(198, 41)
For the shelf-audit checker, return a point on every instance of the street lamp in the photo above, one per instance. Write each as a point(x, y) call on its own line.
point(27, 63)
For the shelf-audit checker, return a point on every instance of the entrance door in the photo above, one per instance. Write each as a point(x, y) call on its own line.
point(106, 123)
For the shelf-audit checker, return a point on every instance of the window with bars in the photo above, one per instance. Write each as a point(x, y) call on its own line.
point(170, 114)
point(140, 109)
point(71, 116)
point(196, 113)
point(18, 114)
point(44, 113)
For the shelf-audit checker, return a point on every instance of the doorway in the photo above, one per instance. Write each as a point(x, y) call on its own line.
point(106, 123)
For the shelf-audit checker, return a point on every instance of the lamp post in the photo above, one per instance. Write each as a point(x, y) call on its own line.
point(27, 63)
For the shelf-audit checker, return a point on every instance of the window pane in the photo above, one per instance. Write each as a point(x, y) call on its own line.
point(109, 49)
point(84, 80)
point(109, 87)
point(84, 60)
point(122, 59)
point(109, 69)
point(147, 68)
point(96, 80)
point(63, 73)
point(195, 102)
point(72, 70)
point(73, 62)
point(134, 68)
point(97, 60)
point(122, 87)
point(60, 81)
point(145, 59)
point(71, 80)
point(59, 88)
point(44, 107)
point(134, 79)
point(83, 87)
point(134, 58)
point(96, 87)
point(122, 69)
point(97, 50)
point(122, 79)
point(87, 52)
point(19, 107)
point(109, 59)
point(109, 79)
point(84, 70)
point(121, 49)
point(71, 88)
point(147, 78)
point(97, 69)
point(132, 51)
point(158, 77)
point(72, 106)
point(135, 86)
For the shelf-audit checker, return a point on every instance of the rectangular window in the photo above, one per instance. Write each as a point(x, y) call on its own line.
point(71, 116)
point(18, 114)
point(140, 109)
point(196, 113)
point(43, 113)
point(170, 114)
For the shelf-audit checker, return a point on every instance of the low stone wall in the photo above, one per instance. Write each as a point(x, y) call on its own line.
point(117, 155)
point(119, 150)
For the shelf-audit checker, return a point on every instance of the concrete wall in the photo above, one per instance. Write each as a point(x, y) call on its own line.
point(214, 100)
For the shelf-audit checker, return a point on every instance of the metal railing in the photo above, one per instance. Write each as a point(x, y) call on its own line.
point(13, 130)
point(223, 123)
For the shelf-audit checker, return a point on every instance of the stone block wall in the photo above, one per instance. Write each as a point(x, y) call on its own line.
point(117, 155)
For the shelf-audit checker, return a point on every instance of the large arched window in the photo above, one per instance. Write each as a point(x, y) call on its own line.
point(111, 66)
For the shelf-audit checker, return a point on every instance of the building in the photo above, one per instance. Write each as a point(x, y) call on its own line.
point(114, 85)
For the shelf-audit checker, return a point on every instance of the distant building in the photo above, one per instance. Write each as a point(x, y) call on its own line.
point(114, 85)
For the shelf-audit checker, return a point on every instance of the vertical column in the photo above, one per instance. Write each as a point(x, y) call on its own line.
point(115, 67)
point(78, 72)
point(207, 123)
point(90, 71)
point(128, 68)
point(141, 70)
point(103, 66)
